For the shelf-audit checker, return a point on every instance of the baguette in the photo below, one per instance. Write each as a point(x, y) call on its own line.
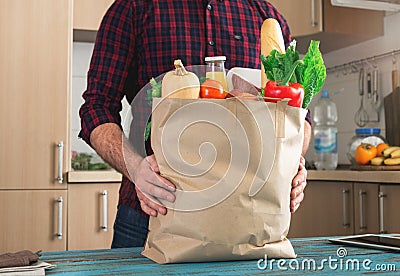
point(271, 39)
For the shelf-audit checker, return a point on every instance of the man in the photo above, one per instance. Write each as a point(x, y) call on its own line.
point(138, 40)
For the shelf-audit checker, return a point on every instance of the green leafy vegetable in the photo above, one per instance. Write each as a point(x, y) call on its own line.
point(203, 79)
point(147, 131)
point(311, 75)
point(278, 65)
point(313, 72)
point(153, 92)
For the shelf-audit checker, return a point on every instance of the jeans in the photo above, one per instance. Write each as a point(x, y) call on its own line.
point(130, 228)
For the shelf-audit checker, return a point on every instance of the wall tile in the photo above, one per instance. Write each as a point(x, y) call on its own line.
point(344, 87)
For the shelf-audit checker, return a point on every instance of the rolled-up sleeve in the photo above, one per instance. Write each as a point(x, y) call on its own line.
point(111, 58)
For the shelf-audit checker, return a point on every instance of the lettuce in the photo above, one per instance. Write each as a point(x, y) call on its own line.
point(311, 75)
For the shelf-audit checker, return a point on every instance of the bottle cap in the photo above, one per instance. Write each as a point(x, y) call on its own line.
point(368, 131)
point(216, 58)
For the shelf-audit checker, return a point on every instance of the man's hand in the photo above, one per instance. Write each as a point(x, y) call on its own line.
point(298, 184)
point(107, 140)
point(150, 187)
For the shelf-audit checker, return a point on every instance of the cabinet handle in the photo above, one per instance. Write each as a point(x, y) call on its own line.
point(361, 196)
point(60, 147)
point(104, 226)
point(314, 22)
point(346, 224)
point(60, 218)
point(381, 226)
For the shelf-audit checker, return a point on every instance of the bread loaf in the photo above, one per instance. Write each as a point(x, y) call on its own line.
point(271, 39)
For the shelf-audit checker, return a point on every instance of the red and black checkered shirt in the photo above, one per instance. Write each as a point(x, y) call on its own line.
point(140, 39)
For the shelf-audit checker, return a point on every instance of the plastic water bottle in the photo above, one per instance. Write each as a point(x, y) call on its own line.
point(325, 133)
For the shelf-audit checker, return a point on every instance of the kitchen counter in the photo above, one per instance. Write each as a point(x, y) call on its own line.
point(315, 255)
point(355, 176)
point(93, 176)
point(335, 175)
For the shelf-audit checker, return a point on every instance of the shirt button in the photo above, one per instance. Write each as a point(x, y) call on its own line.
point(209, 7)
point(211, 42)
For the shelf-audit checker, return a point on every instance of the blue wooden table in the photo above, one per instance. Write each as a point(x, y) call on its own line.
point(315, 255)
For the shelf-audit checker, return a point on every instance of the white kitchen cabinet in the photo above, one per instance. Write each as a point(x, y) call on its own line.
point(35, 47)
point(91, 213)
point(33, 220)
point(335, 27)
point(35, 55)
point(89, 13)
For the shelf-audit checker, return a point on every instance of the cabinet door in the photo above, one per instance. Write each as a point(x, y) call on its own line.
point(303, 16)
point(91, 213)
point(35, 62)
point(389, 208)
point(336, 27)
point(366, 209)
point(326, 210)
point(33, 220)
point(89, 13)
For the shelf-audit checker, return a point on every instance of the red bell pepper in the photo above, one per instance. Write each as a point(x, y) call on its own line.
point(293, 91)
point(284, 89)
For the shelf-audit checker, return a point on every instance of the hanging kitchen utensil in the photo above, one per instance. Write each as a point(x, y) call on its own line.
point(376, 97)
point(361, 116)
point(369, 85)
point(395, 76)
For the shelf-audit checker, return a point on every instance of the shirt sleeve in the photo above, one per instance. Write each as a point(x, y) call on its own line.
point(112, 54)
point(308, 117)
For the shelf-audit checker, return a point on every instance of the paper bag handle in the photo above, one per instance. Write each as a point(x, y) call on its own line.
point(280, 118)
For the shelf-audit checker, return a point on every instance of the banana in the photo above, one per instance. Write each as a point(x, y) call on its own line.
point(395, 154)
point(386, 152)
point(392, 161)
point(377, 161)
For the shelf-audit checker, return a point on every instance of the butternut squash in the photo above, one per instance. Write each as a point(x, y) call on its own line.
point(180, 83)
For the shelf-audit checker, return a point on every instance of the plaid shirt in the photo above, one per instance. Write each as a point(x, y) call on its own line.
point(139, 39)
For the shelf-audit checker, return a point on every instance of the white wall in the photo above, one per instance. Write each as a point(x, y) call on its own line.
point(80, 66)
point(344, 88)
point(82, 53)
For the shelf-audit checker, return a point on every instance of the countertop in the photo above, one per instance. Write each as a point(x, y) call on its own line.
point(342, 174)
point(315, 255)
point(355, 176)
point(93, 176)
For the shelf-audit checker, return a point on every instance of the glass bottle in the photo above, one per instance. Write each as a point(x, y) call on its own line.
point(216, 70)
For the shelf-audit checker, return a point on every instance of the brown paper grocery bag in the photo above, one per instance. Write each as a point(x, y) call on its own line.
point(232, 162)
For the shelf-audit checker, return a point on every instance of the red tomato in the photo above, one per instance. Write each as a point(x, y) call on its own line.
point(212, 89)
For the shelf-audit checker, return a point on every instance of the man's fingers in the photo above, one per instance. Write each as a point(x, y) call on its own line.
point(151, 159)
point(150, 205)
point(300, 177)
point(295, 203)
point(151, 183)
point(157, 190)
point(153, 176)
point(296, 191)
point(302, 161)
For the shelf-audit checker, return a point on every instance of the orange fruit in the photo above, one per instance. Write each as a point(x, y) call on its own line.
point(380, 148)
point(364, 153)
